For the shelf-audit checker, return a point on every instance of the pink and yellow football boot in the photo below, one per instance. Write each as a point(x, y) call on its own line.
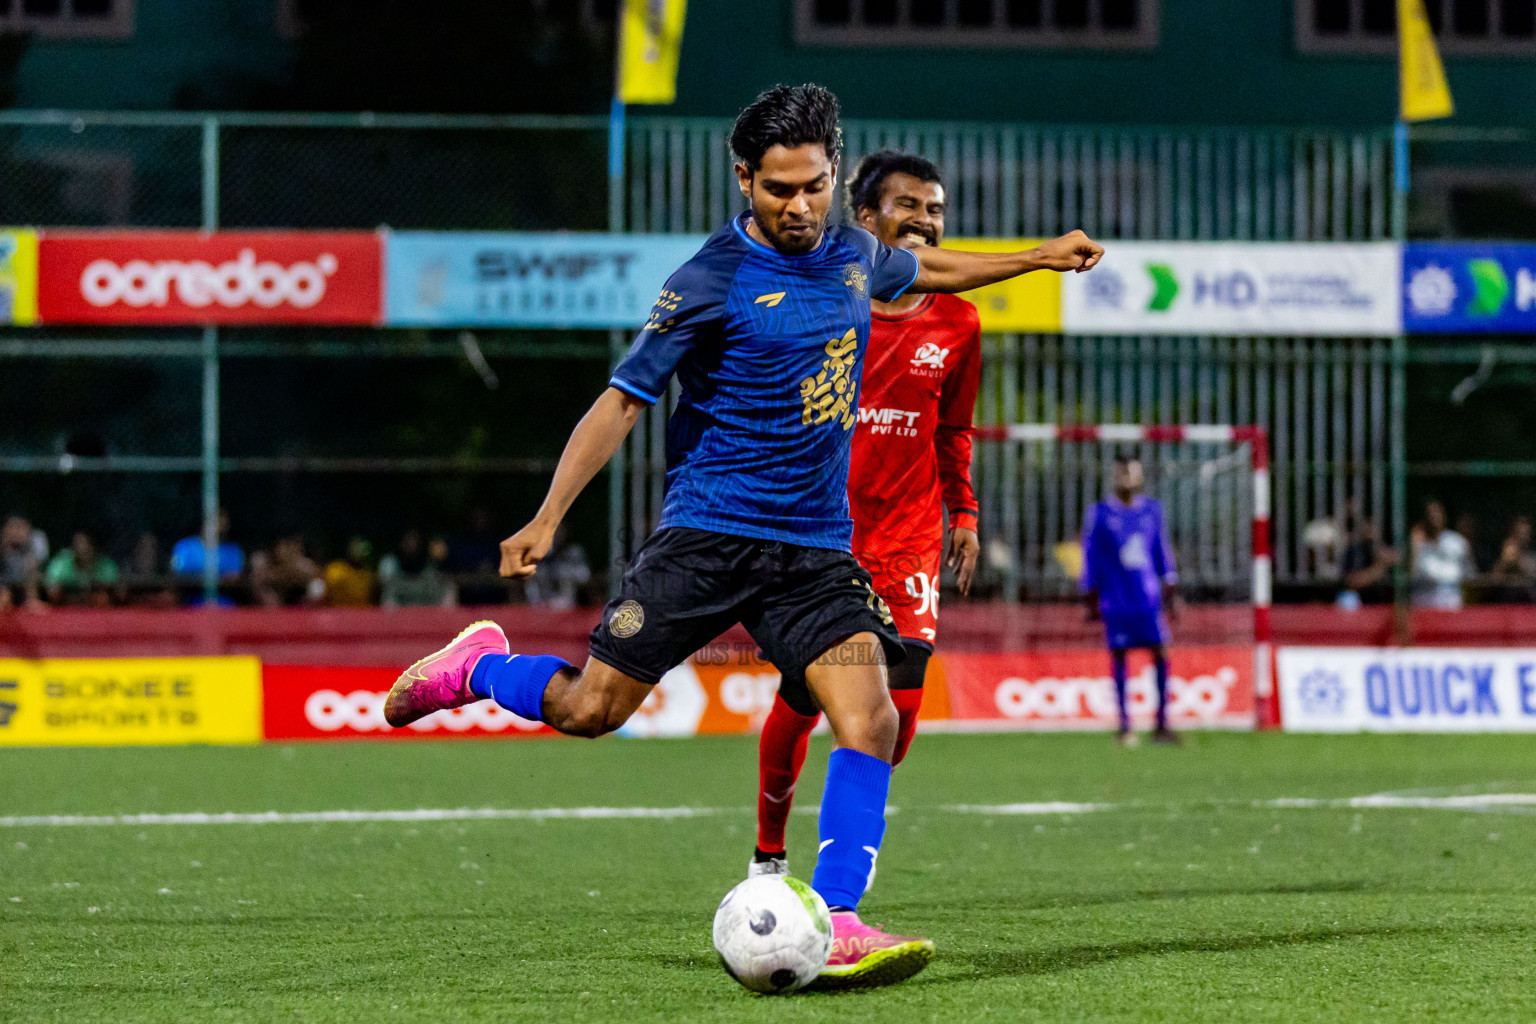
point(865, 957)
point(441, 679)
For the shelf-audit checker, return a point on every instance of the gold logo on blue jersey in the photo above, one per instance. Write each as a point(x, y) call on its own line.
point(659, 321)
point(855, 278)
point(830, 394)
point(770, 300)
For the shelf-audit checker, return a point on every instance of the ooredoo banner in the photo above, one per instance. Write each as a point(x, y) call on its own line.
point(99, 701)
point(1421, 689)
point(228, 277)
point(1209, 687)
point(1243, 288)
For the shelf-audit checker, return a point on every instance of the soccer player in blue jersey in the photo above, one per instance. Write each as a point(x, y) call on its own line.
point(1128, 578)
point(765, 329)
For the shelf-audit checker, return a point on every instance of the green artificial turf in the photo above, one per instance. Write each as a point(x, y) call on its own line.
point(1191, 900)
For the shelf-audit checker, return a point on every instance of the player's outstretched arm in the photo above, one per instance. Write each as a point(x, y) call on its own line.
point(954, 270)
point(592, 444)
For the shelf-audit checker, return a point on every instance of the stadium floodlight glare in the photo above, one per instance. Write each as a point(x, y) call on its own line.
point(1257, 440)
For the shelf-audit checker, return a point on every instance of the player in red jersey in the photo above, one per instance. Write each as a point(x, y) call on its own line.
point(911, 461)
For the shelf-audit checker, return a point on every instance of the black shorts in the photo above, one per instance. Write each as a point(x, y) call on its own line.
point(686, 587)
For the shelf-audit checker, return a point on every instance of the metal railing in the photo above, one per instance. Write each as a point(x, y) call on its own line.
point(1328, 403)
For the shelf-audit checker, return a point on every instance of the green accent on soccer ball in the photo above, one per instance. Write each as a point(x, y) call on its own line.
point(808, 897)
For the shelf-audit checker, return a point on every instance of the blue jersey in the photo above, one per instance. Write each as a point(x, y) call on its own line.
point(768, 349)
point(1126, 556)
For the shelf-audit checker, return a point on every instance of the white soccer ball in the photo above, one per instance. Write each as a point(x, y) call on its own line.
point(773, 934)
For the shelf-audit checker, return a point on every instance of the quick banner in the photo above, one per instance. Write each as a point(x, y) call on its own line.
point(1420, 689)
point(226, 277)
point(471, 279)
point(1237, 288)
point(138, 701)
point(18, 277)
point(1469, 288)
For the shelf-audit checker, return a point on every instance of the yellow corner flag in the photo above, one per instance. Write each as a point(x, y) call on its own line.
point(1423, 93)
point(649, 44)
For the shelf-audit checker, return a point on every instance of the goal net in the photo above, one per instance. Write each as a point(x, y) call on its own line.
point(1036, 482)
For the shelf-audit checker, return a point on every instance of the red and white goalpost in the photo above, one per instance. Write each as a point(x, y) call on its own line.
point(1257, 439)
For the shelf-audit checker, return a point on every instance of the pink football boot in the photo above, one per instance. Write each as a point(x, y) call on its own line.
point(864, 957)
point(441, 679)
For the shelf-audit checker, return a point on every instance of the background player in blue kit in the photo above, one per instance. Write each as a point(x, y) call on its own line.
point(1128, 579)
point(765, 330)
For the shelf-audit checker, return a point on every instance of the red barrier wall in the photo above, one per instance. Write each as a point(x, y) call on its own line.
point(380, 637)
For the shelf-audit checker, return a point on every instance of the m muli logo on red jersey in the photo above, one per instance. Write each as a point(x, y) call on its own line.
point(190, 277)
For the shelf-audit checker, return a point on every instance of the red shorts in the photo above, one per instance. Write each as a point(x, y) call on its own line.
point(911, 590)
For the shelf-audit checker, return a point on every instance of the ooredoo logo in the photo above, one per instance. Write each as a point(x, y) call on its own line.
point(188, 277)
point(363, 711)
point(198, 284)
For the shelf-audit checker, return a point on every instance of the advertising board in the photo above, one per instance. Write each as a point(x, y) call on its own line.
point(1421, 689)
point(1209, 687)
point(475, 279)
point(18, 276)
point(148, 701)
point(1237, 288)
point(227, 277)
point(1468, 288)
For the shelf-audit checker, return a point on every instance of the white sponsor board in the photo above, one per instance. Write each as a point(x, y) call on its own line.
point(1420, 689)
point(1238, 288)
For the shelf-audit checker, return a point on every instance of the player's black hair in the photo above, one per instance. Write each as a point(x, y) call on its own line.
point(1126, 455)
point(789, 116)
point(869, 177)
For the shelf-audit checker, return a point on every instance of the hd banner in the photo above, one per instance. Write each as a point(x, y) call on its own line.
point(1469, 288)
point(1237, 288)
point(227, 277)
point(469, 279)
point(1383, 689)
point(18, 277)
point(129, 701)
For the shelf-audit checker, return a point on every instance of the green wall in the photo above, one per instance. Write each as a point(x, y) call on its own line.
point(1218, 62)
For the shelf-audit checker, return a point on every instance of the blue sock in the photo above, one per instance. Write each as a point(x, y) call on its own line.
point(852, 825)
point(1162, 693)
point(1117, 667)
point(517, 682)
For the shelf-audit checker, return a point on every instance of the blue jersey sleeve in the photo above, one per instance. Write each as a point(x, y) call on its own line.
point(1093, 551)
point(1162, 554)
point(687, 316)
point(892, 271)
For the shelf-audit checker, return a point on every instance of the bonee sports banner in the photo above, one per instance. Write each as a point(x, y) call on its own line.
point(1421, 689)
point(229, 277)
point(113, 701)
point(1242, 288)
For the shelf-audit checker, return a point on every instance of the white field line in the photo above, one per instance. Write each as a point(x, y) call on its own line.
point(1468, 802)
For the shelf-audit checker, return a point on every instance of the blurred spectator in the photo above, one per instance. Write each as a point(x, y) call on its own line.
point(145, 577)
point(1367, 563)
point(1466, 525)
point(1442, 561)
point(416, 576)
point(285, 575)
point(350, 582)
point(80, 575)
point(1323, 541)
point(562, 574)
point(23, 552)
point(1514, 574)
point(476, 554)
point(187, 554)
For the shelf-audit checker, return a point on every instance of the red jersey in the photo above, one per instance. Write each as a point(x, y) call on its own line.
point(912, 452)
